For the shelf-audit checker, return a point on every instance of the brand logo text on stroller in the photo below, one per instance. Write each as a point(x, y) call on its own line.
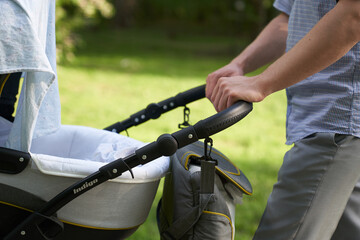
point(85, 185)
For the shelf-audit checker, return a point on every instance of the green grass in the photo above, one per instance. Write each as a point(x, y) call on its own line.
point(117, 73)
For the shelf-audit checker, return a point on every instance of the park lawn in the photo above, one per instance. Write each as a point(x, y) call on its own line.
point(117, 73)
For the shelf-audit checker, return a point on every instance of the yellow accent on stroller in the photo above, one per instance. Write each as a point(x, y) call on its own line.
point(34, 205)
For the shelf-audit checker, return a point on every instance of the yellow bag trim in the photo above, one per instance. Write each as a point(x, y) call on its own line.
point(191, 154)
point(237, 173)
point(223, 215)
point(235, 183)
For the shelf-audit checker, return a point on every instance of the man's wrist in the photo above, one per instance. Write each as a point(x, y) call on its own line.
point(240, 65)
point(263, 85)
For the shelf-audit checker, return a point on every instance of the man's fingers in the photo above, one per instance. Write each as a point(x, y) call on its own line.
point(222, 103)
point(213, 78)
point(210, 84)
point(219, 96)
point(215, 97)
point(230, 101)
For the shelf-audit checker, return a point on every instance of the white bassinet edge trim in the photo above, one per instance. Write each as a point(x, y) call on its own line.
point(39, 162)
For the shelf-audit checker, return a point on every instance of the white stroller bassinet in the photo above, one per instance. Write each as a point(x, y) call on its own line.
point(52, 157)
point(72, 153)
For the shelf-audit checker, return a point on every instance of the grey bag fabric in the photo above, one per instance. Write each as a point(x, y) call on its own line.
point(199, 203)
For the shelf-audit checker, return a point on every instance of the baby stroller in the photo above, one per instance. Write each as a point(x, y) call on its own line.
point(34, 205)
point(43, 157)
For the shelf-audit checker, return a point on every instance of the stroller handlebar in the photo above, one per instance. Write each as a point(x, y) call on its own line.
point(222, 120)
point(206, 127)
point(202, 129)
point(168, 144)
point(213, 124)
point(190, 95)
point(154, 110)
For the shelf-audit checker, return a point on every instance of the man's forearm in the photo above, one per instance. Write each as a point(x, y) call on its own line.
point(330, 39)
point(267, 47)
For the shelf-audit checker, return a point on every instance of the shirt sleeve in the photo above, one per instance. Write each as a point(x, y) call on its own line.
point(284, 5)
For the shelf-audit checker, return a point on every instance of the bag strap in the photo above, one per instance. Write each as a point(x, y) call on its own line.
point(184, 224)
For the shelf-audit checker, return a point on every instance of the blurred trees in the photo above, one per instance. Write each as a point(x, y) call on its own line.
point(244, 18)
point(73, 15)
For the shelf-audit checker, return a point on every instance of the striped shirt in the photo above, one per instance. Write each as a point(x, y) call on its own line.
point(328, 101)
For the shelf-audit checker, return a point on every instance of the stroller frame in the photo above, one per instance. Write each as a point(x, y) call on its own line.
point(43, 224)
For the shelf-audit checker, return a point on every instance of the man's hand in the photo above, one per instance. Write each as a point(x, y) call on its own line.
point(232, 69)
point(229, 90)
point(266, 48)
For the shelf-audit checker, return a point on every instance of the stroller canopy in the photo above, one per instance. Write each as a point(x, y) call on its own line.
point(27, 45)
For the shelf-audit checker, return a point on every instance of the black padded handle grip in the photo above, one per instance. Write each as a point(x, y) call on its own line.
point(222, 120)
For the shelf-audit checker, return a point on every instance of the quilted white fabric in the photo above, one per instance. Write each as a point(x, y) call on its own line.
point(77, 151)
point(27, 44)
